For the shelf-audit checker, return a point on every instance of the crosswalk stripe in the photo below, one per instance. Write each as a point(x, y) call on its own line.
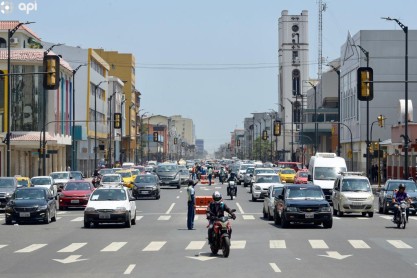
point(277, 244)
point(154, 246)
point(58, 218)
point(358, 244)
point(113, 247)
point(78, 219)
point(399, 244)
point(31, 248)
point(318, 244)
point(238, 244)
point(363, 218)
point(129, 269)
point(412, 217)
point(72, 247)
point(3, 245)
point(335, 217)
point(274, 267)
point(139, 217)
point(248, 217)
point(164, 217)
point(195, 245)
point(386, 217)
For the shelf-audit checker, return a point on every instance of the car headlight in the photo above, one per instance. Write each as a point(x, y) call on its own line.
point(370, 197)
point(257, 187)
point(90, 209)
point(154, 187)
point(325, 209)
point(120, 209)
point(42, 207)
point(292, 209)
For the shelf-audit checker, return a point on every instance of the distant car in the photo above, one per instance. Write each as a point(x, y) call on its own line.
point(169, 174)
point(46, 182)
point(105, 171)
point(287, 175)
point(184, 174)
point(61, 178)
point(242, 171)
point(262, 183)
point(75, 194)
point(260, 170)
point(31, 204)
point(146, 186)
point(127, 177)
point(110, 204)
point(269, 201)
point(77, 175)
point(23, 181)
point(301, 177)
point(7, 186)
point(387, 192)
point(247, 178)
point(111, 179)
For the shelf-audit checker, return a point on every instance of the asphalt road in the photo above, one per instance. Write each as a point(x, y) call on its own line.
point(160, 245)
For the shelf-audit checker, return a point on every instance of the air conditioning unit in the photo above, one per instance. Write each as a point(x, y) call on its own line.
point(14, 41)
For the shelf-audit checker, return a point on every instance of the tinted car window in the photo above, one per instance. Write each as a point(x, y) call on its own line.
point(304, 192)
point(40, 181)
point(109, 195)
point(145, 179)
point(5, 183)
point(409, 186)
point(77, 186)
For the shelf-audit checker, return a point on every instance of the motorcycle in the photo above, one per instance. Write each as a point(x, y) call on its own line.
point(222, 177)
point(96, 181)
point(231, 189)
point(222, 231)
point(401, 218)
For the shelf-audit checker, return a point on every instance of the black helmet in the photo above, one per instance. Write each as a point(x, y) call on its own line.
point(401, 186)
point(217, 196)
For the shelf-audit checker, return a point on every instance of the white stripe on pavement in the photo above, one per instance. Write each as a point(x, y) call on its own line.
point(277, 244)
point(248, 217)
point(386, 217)
point(412, 218)
point(129, 269)
point(240, 208)
point(335, 217)
point(195, 245)
point(3, 245)
point(217, 187)
point(178, 197)
point(318, 244)
point(31, 248)
point(170, 208)
point(58, 218)
point(358, 244)
point(154, 246)
point(72, 247)
point(363, 218)
point(113, 247)
point(164, 217)
point(78, 219)
point(139, 217)
point(275, 268)
point(238, 244)
point(399, 244)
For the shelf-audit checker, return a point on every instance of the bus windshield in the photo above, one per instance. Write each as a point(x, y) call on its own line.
point(327, 173)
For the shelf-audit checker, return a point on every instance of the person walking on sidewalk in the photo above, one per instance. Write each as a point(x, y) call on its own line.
point(191, 203)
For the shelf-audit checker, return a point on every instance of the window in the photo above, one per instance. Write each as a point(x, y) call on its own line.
point(3, 43)
point(296, 82)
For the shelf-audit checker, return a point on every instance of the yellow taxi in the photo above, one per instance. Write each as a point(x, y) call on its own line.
point(23, 181)
point(287, 175)
point(135, 172)
point(127, 177)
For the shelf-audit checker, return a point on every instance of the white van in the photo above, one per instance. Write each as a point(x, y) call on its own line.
point(323, 170)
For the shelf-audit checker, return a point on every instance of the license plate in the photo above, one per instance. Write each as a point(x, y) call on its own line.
point(144, 192)
point(309, 215)
point(75, 201)
point(104, 216)
point(357, 203)
point(24, 214)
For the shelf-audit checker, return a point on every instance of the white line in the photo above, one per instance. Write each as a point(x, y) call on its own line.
point(178, 197)
point(164, 217)
point(3, 245)
point(154, 246)
point(363, 218)
point(217, 187)
point(386, 217)
point(58, 218)
point(335, 217)
point(61, 212)
point(275, 268)
point(318, 244)
point(170, 208)
point(277, 244)
point(113, 247)
point(248, 217)
point(78, 219)
point(181, 191)
point(412, 217)
point(399, 244)
point(31, 248)
point(359, 244)
point(240, 208)
point(129, 269)
point(72, 247)
point(139, 217)
point(238, 244)
point(195, 245)
point(195, 217)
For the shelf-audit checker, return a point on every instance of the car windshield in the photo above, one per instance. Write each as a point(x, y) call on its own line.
point(40, 181)
point(303, 174)
point(23, 183)
point(304, 193)
point(29, 195)
point(244, 167)
point(135, 172)
point(277, 191)
point(266, 171)
point(145, 179)
point(268, 179)
point(106, 171)
point(250, 170)
point(109, 195)
point(125, 174)
point(112, 178)
point(76, 175)
point(5, 183)
point(288, 171)
point(409, 186)
point(356, 185)
point(77, 186)
point(167, 168)
point(327, 173)
point(60, 176)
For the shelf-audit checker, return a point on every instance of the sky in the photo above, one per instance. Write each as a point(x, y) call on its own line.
point(213, 61)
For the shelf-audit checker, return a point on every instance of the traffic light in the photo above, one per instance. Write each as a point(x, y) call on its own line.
point(238, 143)
point(264, 135)
point(117, 117)
point(365, 90)
point(381, 120)
point(175, 140)
point(277, 128)
point(155, 136)
point(51, 72)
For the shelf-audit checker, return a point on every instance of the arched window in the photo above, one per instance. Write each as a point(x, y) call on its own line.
point(296, 82)
point(3, 43)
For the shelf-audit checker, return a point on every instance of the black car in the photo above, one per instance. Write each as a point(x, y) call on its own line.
point(169, 174)
point(31, 204)
point(146, 185)
point(7, 186)
point(387, 192)
point(303, 204)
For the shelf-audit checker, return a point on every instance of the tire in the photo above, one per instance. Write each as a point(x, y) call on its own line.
point(86, 224)
point(214, 249)
point(379, 207)
point(226, 246)
point(133, 221)
point(284, 223)
point(385, 208)
point(253, 199)
point(158, 197)
point(270, 217)
point(61, 208)
point(53, 218)
point(328, 224)
point(334, 211)
point(340, 213)
point(179, 186)
point(47, 219)
point(363, 214)
point(414, 213)
point(370, 214)
point(8, 221)
point(277, 221)
point(128, 223)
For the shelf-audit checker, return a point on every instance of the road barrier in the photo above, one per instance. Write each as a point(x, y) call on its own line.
point(203, 179)
point(201, 203)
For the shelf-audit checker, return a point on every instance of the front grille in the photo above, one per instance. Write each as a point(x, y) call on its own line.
point(357, 207)
point(105, 210)
point(357, 199)
point(25, 209)
point(309, 209)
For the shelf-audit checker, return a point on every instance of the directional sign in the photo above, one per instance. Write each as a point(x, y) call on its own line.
point(335, 255)
point(70, 259)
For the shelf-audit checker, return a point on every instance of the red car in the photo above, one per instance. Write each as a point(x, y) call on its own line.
point(301, 177)
point(75, 194)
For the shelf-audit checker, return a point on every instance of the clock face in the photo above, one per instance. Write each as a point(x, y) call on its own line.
point(295, 28)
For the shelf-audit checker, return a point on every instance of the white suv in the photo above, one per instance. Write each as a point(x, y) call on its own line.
point(110, 204)
point(352, 193)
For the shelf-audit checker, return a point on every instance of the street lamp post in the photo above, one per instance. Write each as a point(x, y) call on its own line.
point(292, 129)
point(351, 144)
point(95, 122)
point(130, 129)
point(315, 116)
point(283, 131)
point(406, 140)
point(73, 143)
point(141, 137)
point(337, 70)
point(121, 129)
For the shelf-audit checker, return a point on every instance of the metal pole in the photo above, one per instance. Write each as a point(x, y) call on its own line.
point(406, 106)
point(315, 120)
point(379, 163)
point(110, 132)
point(95, 127)
point(9, 104)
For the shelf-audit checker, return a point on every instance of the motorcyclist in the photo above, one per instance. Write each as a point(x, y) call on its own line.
point(222, 174)
point(398, 197)
point(232, 177)
point(216, 209)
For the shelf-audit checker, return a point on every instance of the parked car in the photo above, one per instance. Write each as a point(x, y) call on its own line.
point(7, 186)
point(387, 192)
point(301, 177)
point(262, 183)
point(111, 179)
point(303, 204)
point(287, 175)
point(146, 186)
point(31, 204)
point(269, 201)
point(45, 181)
point(168, 174)
point(110, 204)
point(75, 194)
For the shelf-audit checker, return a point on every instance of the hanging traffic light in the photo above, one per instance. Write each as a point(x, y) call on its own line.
point(381, 120)
point(238, 142)
point(264, 135)
point(365, 86)
point(277, 128)
point(175, 140)
point(117, 117)
point(51, 68)
point(155, 136)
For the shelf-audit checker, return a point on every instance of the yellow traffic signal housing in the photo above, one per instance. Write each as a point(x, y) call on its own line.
point(117, 120)
point(381, 120)
point(264, 135)
point(365, 85)
point(155, 136)
point(277, 128)
point(51, 68)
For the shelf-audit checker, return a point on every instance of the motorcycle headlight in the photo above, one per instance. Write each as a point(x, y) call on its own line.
point(370, 197)
point(325, 209)
point(292, 209)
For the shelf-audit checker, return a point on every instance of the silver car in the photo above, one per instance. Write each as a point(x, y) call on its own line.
point(269, 202)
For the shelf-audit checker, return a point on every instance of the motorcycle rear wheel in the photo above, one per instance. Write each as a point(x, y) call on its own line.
point(403, 222)
point(214, 249)
point(226, 247)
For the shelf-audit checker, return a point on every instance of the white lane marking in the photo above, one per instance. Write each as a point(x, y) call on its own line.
point(240, 208)
point(386, 217)
point(217, 187)
point(196, 218)
point(154, 246)
point(129, 269)
point(178, 197)
point(412, 217)
point(335, 217)
point(58, 218)
point(78, 219)
point(3, 245)
point(164, 217)
point(277, 244)
point(248, 217)
point(318, 244)
point(363, 218)
point(113, 247)
point(399, 244)
point(170, 208)
point(195, 245)
point(31, 248)
point(238, 244)
point(180, 191)
point(359, 244)
point(72, 247)
point(139, 217)
point(274, 267)
point(61, 212)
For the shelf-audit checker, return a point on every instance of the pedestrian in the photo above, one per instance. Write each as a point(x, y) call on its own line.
point(191, 203)
point(210, 174)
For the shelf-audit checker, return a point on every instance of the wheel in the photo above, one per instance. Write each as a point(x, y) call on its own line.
point(158, 197)
point(328, 224)
point(253, 199)
point(47, 219)
point(86, 224)
point(414, 213)
point(363, 214)
point(179, 186)
point(133, 221)
point(226, 247)
point(61, 208)
point(371, 214)
point(239, 183)
point(403, 222)
point(8, 221)
point(385, 208)
point(339, 213)
point(284, 223)
point(264, 213)
point(128, 223)
point(250, 190)
point(53, 219)
point(214, 249)
point(245, 184)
